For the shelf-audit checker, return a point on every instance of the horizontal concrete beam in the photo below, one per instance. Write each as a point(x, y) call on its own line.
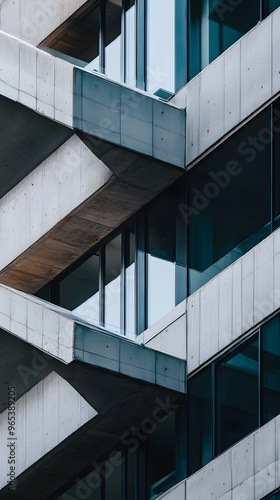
point(31, 24)
point(44, 417)
point(129, 118)
point(249, 75)
point(233, 302)
point(250, 469)
point(125, 357)
point(36, 79)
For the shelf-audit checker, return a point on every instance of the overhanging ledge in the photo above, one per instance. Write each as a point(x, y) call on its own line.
point(122, 356)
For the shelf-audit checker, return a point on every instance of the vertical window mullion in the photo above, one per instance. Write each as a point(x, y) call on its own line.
point(124, 250)
point(102, 35)
point(141, 44)
point(101, 285)
point(260, 412)
point(140, 275)
point(272, 224)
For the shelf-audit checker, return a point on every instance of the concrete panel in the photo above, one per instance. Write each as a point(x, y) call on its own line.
point(265, 481)
point(232, 84)
point(225, 307)
point(211, 482)
point(193, 330)
point(193, 118)
point(38, 322)
point(275, 52)
point(28, 74)
point(172, 340)
point(212, 91)
point(45, 416)
point(72, 166)
point(209, 331)
point(32, 24)
point(233, 302)
point(176, 493)
point(265, 446)
point(120, 115)
point(232, 475)
point(256, 68)
point(242, 465)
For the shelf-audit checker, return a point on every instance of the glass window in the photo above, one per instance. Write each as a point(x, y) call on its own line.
point(228, 209)
point(276, 161)
point(79, 291)
point(161, 259)
point(269, 6)
point(130, 44)
point(130, 313)
point(79, 41)
point(113, 472)
point(113, 254)
point(271, 369)
point(236, 412)
point(160, 456)
point(200, 447)
point(113, 42)
point(160, 45)
point(214, 27)
point(88, 487)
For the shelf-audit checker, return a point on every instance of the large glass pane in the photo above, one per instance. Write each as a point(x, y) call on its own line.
point(161, 259)
point(113, 49)
point(228, 210)
point(269, 6)
point(214, 26)
point(160, 467)
point(78, 42)
point(271, 369)
point(130, 44)
point(130, 323)
point(276, 162)
point(200, 439)
point(79, 291)
point(160, 44)
point(113, 472)
point(88, 487)
point(113, 283)
point(228, 23)
point(237, 379)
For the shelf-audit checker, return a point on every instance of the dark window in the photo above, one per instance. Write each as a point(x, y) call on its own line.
point(229, 201)
point(271, 369)
point(236, 409)
point(269, 6)
point(200, 436)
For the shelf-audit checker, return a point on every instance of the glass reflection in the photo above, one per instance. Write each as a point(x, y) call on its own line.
point(112, 291)
point(237, 379)
point(79, 291)
point(271, 369)
point(160, 44)
point(161, 259)
point(130, 298)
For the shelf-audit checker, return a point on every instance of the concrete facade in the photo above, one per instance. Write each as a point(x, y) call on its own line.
point(119, 149)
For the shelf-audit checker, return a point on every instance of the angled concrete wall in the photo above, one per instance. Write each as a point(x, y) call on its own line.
point(33, 21)
point(232, 87)
point(44, 417)
point(38, 323)
point(249, 470)
point(234, 302)
point(47, 195)
point(36, 79)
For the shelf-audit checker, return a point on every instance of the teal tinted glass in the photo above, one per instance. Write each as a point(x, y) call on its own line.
point(269, 6)
point(271, 369)
point(200, 449)
point(276, 162)
point(228, 210)
point(237, 378)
